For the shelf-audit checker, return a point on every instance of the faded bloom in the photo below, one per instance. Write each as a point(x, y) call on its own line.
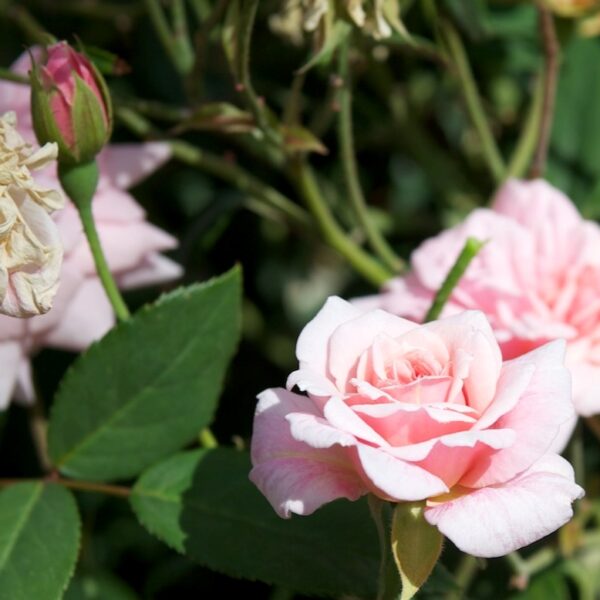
point(536, 279)
point(81, 312)
point(30, 247)
point(378, 18)
point(70, 104)
point(427, 413)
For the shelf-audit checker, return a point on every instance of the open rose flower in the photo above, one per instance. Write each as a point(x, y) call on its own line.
point(420, 412)
point(81, 312)
point(30, 247)
point(537, 279)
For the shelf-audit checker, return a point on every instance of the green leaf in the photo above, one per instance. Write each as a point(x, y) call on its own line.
point(416, 546)
point(39, 541)
point(299, 139)
point(576, 131)
point(203, 504)
point(149, 386)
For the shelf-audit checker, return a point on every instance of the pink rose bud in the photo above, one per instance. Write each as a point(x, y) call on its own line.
point(70, 104)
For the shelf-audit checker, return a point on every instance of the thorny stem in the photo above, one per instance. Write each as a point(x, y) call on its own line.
point(526, 144)
point(173, 43)
point(551, 50)
point(467, 569)
point(332, 233)
point(473, 100)
point(348, 156)
point(219, 167)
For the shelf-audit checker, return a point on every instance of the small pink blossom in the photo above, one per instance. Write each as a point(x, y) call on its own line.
point(428, 413)
point(81, 311)
point(537, 279)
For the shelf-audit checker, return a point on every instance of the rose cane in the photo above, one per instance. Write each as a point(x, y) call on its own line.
point(71, 106)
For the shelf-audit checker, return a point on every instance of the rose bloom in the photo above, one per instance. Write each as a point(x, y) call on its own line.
point(414, 412)
point(30, 246)
point(81, 312)
point(537, 279)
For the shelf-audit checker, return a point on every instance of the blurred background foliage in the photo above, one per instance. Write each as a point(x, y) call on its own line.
point(421, 167)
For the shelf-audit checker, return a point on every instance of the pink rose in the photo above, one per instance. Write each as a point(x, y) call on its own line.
point(414, 412)
point(81, 311)
point(537, 279)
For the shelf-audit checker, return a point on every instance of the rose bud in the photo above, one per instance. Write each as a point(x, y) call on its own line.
point(70, 104)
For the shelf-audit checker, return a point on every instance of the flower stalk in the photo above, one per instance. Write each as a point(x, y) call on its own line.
point(80, 182)
point(348, 156)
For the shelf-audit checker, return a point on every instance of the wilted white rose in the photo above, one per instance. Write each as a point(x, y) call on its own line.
point(378, 18)
point(30, 247)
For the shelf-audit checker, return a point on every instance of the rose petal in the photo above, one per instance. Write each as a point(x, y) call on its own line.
point(536, 418)
point(495, 521)
point(293, 476)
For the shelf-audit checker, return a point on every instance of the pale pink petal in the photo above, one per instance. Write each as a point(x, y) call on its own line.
point(495, 521)
point(24, 390)
point(401, 424)
point(312, 382)
point(470, 332)
point(533, 203)
point(502, 265)
point(536, 418)
point(311, 349)
point(16, 97)
point(125, 165)
point(125, 246)
point(344, 419)
point(11, 355)
point(86, 318)
point(395, 479)
point(113, 205)
point(350, 339)
point(154, 269)
point(586, 387)
point(293, 476)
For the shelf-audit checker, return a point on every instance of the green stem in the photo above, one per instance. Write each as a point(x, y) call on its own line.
point(110, 287)
point(181, 37)
point(248, 10)
point(551, 67)
point(80, 182)
point(525, 148)
point(84, 486)
point(469, 251)
point(30, 26)
point(467, 569)
point(39, 432)
point(473, 100)
point(526, 567)
point(346, 141)
point(168, 40)
point(227, 171)
point(332, 233)
point(8, 75)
